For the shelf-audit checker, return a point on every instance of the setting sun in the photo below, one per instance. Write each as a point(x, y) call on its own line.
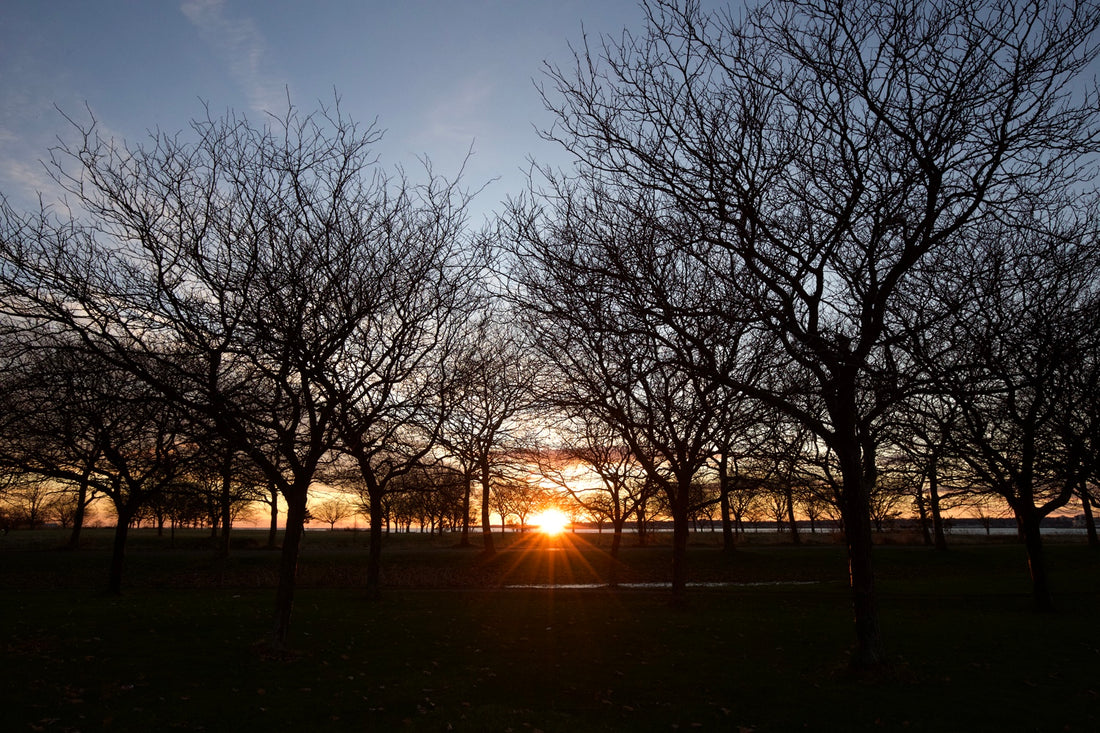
point(551, 521)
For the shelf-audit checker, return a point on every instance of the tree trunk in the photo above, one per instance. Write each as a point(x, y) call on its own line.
point(118, 551)
point(795, 537)
point(938, 533)
point(922, 516)
point(858, 474)
point(226, 503)
point(465, 541)
point(288, 565)
point(1036, 559)
point(728, 540)
point(273, 528)
point(617, 524)
point(857, 528)
point(374, 554)
point(679, 548)
point(486, 528)
point(1090, 522)
point(78, 516)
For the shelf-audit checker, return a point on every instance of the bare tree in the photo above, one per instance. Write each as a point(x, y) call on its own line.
point(891, 491)
point(592, 445)
point(71, 417)
point(924, 425)
point(29, 499)
point(778, 499)
point(587, 268)
point(776, 458)
point(826, 148)
point(1086, 493)
point(434, 492)
point(226, 269)
point(223, 483)
point(397, 365)
point(1015, 351)
point(493, 387)
point(51, 398)
point(331, 511)
point(745, 495)
point(818, 503)
point(519, 495)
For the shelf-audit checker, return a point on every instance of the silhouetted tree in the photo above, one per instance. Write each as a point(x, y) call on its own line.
point(745, 496)
point(924, 426)
point(331, 511)
point(589, 444)
point(49, 403)
point(1015, 351)
point(29, 500)
point(586, 268)
point(519, 495)
point(825, 149)
point(222, 485)
point(737, 428)
point(72, 418)
point(397, 365)
point(227, 270)
point(494, 384)
point(436, 493)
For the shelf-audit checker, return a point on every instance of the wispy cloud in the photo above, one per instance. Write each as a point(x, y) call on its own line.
point(242, 47)
point(459, 116)
point(23, 178)
point(26, 153)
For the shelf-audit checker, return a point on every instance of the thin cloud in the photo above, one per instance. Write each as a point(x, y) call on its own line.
point(24, 179)
point(241, 45)
point(461, 115)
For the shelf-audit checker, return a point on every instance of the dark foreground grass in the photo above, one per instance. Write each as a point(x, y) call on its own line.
point(968, 652)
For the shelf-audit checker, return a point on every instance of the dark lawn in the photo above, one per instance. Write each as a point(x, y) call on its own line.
point(183, 647)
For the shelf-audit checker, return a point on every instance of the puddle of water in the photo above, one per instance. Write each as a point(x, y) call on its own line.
point(653, 586)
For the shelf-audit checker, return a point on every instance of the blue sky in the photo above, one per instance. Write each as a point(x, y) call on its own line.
point(439, 76)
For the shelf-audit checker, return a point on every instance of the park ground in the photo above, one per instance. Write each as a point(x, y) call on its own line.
point(461, 641)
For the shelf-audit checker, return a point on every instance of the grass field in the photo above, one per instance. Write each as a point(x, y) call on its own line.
point(452, 647)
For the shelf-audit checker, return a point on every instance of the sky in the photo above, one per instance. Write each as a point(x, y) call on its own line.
point(439, 76)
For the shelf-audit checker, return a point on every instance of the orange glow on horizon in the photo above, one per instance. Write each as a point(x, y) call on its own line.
point(551, 521)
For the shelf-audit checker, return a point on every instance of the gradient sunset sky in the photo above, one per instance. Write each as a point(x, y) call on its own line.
point(438, 76)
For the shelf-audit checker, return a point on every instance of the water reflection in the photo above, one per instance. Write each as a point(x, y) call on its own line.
point(654, 586)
